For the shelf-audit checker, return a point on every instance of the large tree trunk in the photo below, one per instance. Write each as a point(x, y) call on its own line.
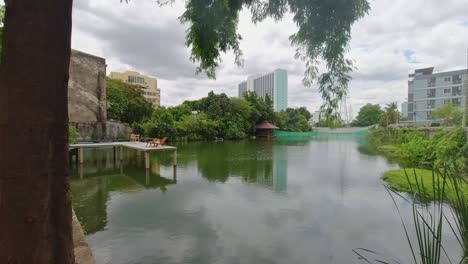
point(35, 208)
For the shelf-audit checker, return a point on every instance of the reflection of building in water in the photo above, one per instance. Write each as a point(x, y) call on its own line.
point(280, 168)
point(274, 172)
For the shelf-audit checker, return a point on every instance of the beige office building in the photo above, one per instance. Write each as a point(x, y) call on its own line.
point(148, 84)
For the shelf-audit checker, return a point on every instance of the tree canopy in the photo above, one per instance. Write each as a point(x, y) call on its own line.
point(368, 115)
point(390, 115)
point(448, 114)
point(294, 119)
point(125, 102)
point(324, 32)
point(217, 115)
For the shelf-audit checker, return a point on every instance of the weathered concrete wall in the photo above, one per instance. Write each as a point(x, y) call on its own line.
point(116, 130)
point(87, 104)
point(83, 253)
point(90, 130)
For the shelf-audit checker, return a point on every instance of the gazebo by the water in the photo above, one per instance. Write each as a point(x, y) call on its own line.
point(264, 130)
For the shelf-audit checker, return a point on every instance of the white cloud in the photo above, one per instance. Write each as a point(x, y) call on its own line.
point(148, 38)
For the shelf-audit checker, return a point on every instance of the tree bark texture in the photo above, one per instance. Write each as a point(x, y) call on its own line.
point(35, 207)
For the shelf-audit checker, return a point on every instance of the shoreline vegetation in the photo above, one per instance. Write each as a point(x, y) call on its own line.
point(402, 180)
point(434, 173)
point(214, 116)
point(412, 148)
point(421, 154)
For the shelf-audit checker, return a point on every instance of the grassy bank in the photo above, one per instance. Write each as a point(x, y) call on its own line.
point(409, 181)
point(413, 148)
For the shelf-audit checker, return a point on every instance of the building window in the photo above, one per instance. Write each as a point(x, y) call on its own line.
point(456, 91)
point(430, 104)
point(456, 79)
point(431, 82)
point(447, 79)
point(447, 91)
point(456, 101)
point(410, 97)
point(135, 79)
point(431, 93)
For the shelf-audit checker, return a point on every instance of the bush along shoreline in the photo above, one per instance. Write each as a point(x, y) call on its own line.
point(434, 173)
point(208, 118)
point(420, 155)
point(412, 148)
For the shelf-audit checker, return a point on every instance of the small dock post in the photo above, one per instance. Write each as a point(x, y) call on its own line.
point(80, 155)
point(147, 177)
point(121, 153)
point(147, 160)
point(174, 161)
point(80, 168)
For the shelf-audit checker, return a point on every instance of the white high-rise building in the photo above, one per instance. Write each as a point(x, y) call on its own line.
point(273, 84)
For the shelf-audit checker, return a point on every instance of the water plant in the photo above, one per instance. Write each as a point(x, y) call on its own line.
point(426, 242)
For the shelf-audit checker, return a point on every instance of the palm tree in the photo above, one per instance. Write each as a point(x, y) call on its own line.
point(392, 113)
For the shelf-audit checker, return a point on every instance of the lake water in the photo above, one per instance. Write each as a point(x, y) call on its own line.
point(240, 202)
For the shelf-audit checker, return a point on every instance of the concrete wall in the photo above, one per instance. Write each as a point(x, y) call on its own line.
point(116, 130)
point(87, 104)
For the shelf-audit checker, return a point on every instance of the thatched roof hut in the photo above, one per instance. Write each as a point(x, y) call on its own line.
point(264, 130)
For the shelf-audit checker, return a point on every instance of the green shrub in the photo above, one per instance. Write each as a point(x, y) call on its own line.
point(415, 149)
point(418, 151)
point(137, 128)
point(73, 134)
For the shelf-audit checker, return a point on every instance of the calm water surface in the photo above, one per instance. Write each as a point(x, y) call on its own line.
point(239, 202)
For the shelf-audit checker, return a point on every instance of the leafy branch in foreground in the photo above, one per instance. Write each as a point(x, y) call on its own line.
point(324, 32)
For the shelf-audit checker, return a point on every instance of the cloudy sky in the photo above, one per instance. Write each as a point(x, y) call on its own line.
point(395, 38)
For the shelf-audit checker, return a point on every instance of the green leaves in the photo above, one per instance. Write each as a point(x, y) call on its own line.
point(73, 134)
point(368, 115)
point(294, 120)
point(126, 103)
point(448, 115)
point(2, 15)
point(213, 29)
point(324, 32)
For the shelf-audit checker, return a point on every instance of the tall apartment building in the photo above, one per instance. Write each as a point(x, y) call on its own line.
point(148, 84)
point(274, 84)
point(404, 109)
point(428, 90)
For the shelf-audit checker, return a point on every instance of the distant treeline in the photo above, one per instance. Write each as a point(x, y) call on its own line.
point(216, 115)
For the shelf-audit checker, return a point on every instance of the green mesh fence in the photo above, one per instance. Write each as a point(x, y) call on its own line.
point(359, 135)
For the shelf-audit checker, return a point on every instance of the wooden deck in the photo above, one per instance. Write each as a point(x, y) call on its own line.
point(140, 146)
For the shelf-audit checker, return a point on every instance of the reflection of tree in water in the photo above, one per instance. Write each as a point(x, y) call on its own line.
point(101, 175)
point(89, 202)
point(264, 163)
point(219, 161)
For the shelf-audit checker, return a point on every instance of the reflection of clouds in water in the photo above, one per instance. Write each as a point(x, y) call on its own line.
point(334, 202)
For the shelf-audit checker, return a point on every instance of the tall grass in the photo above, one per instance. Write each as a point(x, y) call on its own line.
point(426, 243)
point(459, 210)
